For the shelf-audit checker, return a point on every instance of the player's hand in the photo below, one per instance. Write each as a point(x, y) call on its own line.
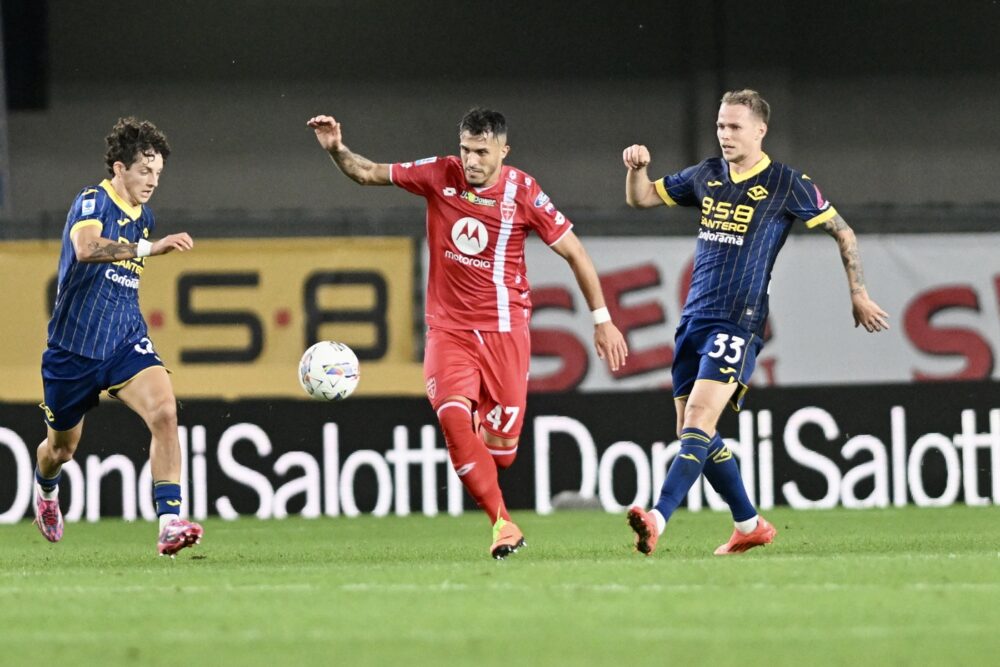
point(610, 344)
point(868, 314)
point(328, 132)
point(180, 242)
point(636, 156)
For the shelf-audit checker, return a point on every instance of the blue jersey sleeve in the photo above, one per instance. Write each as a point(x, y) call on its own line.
point(86, 211)
point(678, 189)
point(806, 202)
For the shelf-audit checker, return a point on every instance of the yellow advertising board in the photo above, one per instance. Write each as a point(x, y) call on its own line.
point(232, 317)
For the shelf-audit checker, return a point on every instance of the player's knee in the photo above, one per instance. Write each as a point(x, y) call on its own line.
point(163, 417)
point(700, 416)
point(62, 452)
point(455, 419)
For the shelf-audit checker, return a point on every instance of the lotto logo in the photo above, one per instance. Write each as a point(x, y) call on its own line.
point(470, 236)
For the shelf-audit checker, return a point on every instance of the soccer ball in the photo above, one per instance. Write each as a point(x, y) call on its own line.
point(329, 371)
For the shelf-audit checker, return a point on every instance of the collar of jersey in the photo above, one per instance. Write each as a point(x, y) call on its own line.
point(761, 165)
point(131, 211)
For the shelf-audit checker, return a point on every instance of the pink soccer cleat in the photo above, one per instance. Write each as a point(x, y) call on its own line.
point(644, 526)
point(48, 517)
point(177, 535)
point(763, 534)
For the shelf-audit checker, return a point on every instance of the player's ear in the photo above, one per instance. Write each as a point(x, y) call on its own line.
point(504, 151)
point(763, 130)
point(119, 168)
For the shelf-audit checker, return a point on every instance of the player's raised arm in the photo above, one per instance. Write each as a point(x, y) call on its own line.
point(608, 339)
point(867, 313)
point(91, 247)
point(359, 169)
point(639, 190)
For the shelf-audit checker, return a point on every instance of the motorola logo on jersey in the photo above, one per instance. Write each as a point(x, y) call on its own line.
point(470, 236)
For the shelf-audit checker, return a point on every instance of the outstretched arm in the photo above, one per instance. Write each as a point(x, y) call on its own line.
point(608, 339)
point(639, 190)
point(91, 247)
point(867, 313)
point(356, 167)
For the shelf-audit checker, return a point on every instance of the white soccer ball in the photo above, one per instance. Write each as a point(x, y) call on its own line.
point(329, 371)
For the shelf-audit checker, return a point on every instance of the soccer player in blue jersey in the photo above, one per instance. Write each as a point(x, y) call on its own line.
point(97, 337)
point(748, 205)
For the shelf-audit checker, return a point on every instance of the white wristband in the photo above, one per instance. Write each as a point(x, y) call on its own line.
point(601, 315)
point(143, 248)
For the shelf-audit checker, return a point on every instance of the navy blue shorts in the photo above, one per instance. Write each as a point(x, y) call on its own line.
point(73, 383)
point(716, 350)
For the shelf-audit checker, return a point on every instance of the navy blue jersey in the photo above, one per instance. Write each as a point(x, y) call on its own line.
point(745, 219)
point(97, 305)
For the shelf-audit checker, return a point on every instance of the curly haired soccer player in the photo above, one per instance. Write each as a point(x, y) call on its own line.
point(97, 337)
point(479, 212)
point(748, 205)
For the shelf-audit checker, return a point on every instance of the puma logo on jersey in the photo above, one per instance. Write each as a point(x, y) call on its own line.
point(124, 221)
point(727, 371)
point(714, 184)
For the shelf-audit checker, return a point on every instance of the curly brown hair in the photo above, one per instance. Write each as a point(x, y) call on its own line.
point(751, 99)
point(131, 138)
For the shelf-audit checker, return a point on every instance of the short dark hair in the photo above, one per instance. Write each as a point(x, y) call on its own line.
point(478, 121)
point(131, 138)
point(752, 100)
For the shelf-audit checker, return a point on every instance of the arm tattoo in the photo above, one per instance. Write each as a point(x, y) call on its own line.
point(838, 228)
point(353, 165)
point(110, 252)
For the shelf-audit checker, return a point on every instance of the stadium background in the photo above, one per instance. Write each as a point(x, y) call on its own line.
point(888, 106)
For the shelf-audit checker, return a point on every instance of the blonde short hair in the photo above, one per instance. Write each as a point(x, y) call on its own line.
point(750, 99)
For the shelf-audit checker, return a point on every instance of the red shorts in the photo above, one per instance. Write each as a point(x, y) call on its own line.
point(489, 368)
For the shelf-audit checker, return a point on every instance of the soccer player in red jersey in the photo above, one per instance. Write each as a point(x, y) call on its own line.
point(478, 305)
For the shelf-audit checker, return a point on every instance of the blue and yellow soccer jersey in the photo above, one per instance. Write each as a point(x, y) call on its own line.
point(745, 219)
point(97, 305)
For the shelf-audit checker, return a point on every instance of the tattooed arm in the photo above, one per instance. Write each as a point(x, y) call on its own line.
point(91, 247)
point(867, 313)
point(356, 167)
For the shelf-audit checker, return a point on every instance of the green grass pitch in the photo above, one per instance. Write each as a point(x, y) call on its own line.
point(874, 587)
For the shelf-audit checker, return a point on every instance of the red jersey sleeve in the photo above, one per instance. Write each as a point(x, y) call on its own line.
point(543, 216)
point(419, 177)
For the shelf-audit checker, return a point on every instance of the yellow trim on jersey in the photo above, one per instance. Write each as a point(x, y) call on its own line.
point(696, 436)
point(661, 190)
point(821, 218)
point(131, 211)
point(763, 164)
point(89, 222)
point(113, 391)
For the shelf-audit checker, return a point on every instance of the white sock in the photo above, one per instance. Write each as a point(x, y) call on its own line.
point(748, 526)
point(167, 518)
point(661, 523)
point(47, 495)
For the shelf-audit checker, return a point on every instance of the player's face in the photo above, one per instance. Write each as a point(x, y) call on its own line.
point(740, 133)
point(140, 179)
point(482, 157)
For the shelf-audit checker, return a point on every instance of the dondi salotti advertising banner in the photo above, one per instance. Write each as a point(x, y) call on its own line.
point(232, 317)
point(927, 445)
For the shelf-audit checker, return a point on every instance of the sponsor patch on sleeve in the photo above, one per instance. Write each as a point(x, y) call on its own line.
point(87, 207)
point(426, 160)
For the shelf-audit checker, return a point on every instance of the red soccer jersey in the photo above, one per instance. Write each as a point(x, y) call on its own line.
point(476, 242)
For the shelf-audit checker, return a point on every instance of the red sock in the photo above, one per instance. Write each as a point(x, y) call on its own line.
point(503, 457)
point(471, 460)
